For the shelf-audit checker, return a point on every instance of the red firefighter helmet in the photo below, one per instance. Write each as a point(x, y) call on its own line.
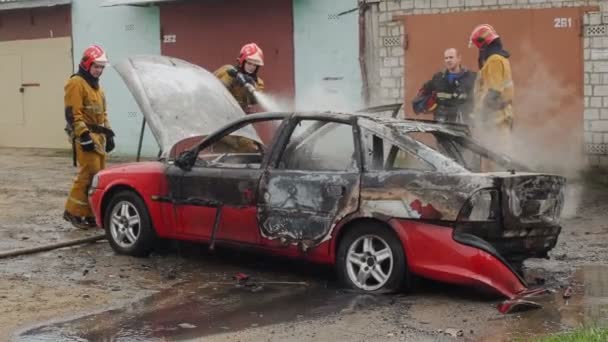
point(483, 35)
point(424, 102)
point(93, 54)
point(251, 53)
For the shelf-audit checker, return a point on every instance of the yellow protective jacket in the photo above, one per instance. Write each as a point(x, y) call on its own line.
point(494, 91)
point(240, 93)
point(85, 108)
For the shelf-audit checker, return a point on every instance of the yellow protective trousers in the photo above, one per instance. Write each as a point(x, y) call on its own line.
point(90, 163)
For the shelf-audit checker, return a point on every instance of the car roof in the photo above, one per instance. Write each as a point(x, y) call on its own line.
point(404, 125)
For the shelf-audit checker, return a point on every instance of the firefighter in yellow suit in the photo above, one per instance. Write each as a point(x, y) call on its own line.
point(242, 79)
point(494, 91)
point(90, 132)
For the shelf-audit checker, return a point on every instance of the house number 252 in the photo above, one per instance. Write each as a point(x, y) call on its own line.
point(562, 22)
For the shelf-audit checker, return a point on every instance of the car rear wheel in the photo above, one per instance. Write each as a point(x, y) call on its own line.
point(371, 259)
point(128, 226)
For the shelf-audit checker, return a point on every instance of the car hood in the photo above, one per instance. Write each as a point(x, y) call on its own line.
point(179, 99)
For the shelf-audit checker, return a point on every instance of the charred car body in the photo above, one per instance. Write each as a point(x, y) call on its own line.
point(379, 198)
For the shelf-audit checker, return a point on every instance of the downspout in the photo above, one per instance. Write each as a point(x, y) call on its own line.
point(363, 7)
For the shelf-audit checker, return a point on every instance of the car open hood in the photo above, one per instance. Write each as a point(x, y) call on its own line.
point(179, 99)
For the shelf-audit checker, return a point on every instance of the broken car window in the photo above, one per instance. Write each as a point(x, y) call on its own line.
point(234, 150)
point(320, 146)
point(384, 155)
point(463, 151)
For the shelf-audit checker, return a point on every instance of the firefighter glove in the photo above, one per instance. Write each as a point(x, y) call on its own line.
point(108, 132)
point(244, 79)
point(86, 142)
point(110, 144)
point(232, 71)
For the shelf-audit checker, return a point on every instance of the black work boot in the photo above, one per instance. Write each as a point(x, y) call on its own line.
point(76, 221)
point(90, 221)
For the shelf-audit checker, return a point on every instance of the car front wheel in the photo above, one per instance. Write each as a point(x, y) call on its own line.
point(128, 226)
point(371, 259)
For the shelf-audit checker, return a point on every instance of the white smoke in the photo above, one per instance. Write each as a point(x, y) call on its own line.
point(548, 133)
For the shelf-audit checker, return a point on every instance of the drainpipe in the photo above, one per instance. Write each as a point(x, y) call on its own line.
point(363, 7)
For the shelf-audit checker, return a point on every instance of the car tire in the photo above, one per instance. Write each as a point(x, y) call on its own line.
point(378, 267)
point(128, 226)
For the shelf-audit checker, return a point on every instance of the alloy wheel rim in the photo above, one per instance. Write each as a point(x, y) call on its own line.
point(369, 262)
point(125, 224)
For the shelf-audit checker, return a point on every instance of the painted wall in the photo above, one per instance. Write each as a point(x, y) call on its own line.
point(327, 55)
point(35, 23)
point(122, 31)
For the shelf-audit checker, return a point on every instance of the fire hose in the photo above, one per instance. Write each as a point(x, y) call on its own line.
point(243, 79)
point(44, 248)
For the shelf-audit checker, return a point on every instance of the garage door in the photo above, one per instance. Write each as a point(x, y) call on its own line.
point(211, 33)
point(35, 62)
point(32, 82)
point(547, 63)
point(10, 83)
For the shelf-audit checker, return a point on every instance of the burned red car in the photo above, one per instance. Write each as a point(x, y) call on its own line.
point(381, 199)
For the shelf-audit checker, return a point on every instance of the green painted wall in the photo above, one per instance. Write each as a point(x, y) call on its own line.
point(122, 31)
point(327, 55)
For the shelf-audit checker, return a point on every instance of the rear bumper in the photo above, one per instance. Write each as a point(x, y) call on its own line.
point(435, 252)
point(515, 244)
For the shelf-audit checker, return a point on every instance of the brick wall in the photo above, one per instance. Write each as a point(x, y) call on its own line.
point(385, 62)
point(596, 86)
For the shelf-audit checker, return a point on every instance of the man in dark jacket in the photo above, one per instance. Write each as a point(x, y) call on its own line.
point(452, 90)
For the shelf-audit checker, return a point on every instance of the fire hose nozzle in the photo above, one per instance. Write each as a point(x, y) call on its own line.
point(250, 88)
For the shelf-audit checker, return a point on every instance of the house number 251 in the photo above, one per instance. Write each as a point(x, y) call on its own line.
point(562, 22)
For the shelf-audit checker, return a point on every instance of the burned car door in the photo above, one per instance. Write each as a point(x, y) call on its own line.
point(221, 186)
point(399, 183)
point(313, 183)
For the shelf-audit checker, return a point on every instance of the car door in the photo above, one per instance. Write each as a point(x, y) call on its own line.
point(313, 183)
point(221, 185)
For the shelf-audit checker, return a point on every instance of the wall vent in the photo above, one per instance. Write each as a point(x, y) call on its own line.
point(391, 41)
point(596, 148)
point(596, 30)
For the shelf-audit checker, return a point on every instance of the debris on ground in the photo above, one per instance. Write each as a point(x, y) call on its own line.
point(245, 282)
point(171, 274)
point(454, 332)
point(517, 305)
point(567, 292)
point(187, 326)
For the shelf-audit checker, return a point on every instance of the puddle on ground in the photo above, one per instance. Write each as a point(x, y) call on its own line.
point(192, 310)
point(587, 306)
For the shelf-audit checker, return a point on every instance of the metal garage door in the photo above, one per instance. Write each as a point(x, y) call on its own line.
point(211, 33)
point(10, 83)
point(547, 63)
point(35, 62)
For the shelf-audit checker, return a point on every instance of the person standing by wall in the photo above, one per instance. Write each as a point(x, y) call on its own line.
point(494, 90)
point(87, 124)
point(452, 89)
